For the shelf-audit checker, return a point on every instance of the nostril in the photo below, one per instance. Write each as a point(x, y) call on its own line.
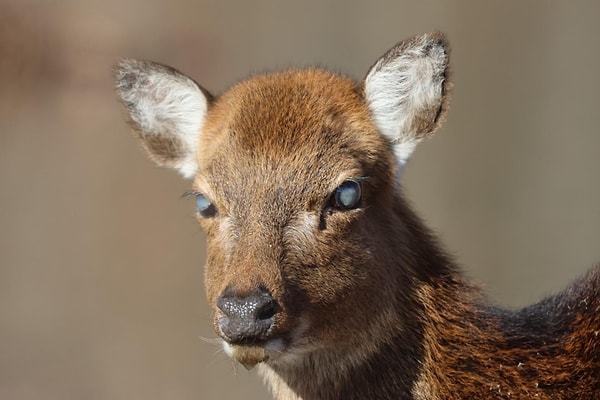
point(267, 311)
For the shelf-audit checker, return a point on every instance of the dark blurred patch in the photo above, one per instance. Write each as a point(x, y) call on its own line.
point(31, 53)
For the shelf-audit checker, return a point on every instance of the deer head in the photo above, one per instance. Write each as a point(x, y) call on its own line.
point(295, 179)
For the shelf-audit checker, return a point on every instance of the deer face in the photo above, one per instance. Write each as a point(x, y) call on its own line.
point(294, 171)
point(295, 180)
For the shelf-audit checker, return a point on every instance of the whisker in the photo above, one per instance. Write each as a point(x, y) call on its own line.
point(211, 340)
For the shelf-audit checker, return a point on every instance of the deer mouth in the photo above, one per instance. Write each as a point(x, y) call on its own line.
point(276, 349)
point(249, 355)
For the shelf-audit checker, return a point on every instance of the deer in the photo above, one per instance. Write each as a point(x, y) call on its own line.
point(319, 274)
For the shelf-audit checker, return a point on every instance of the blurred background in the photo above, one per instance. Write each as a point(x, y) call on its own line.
point(101, 262)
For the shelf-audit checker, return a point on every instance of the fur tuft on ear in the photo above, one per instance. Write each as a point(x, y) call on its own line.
point(406, 91)
point(166, 109)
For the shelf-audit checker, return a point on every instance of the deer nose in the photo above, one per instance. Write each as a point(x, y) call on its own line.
point(246, 319)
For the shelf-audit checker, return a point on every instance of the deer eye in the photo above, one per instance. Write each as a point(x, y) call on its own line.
point(347, 196)
point(205, 207)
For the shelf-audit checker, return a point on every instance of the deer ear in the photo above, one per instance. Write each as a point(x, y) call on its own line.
point(406, 91)
point(166, 109)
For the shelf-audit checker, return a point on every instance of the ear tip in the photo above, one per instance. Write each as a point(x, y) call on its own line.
point(433, 46)
point(436, 44)
point(438, 37)
point(129, 71)
point(132, 66)
point(124, 65)
point(127, 66)
point(124, 72)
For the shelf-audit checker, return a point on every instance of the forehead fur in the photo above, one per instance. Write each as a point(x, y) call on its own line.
point(310, 118)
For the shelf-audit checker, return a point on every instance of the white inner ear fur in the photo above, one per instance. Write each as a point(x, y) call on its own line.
point(404, 83)
point(178, 107)
point(164, 102)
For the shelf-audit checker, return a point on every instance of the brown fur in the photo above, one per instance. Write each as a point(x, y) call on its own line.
point(369, 306)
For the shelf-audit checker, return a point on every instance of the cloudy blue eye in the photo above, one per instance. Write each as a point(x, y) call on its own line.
point(205, 207)
point(347, 196)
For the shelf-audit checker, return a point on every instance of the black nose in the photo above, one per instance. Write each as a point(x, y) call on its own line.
point(246, 319)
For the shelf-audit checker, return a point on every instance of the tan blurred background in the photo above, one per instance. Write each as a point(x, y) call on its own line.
point(101, 262)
